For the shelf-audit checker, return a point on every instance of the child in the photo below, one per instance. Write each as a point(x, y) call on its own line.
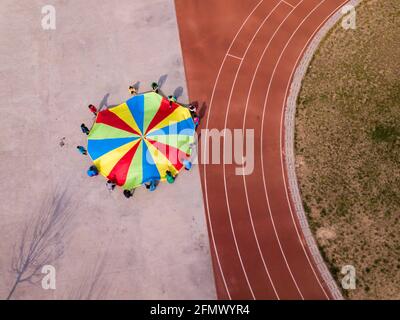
point(92, 171)
point(193, 110)
point(128, 193)
point(192, 147)
point(154, 87)
point(110, 185)
point(93, 109)
point(151, 185)
point(187, 164)
point(132, 90)
point(85, 129)
point(196, 121)
point(169, 176)
point(82, 150)
point(171, 100)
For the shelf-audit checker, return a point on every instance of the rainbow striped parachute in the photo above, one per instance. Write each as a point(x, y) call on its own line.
point(141, 139)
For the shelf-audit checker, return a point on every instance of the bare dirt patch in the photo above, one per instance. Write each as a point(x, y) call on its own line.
point(348, 149)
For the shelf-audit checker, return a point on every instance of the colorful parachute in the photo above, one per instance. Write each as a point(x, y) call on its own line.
point(141, 139)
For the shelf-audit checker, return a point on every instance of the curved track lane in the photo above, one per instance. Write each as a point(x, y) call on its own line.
point(257, 246)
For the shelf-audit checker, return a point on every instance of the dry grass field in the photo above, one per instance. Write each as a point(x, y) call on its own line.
point(348, 149)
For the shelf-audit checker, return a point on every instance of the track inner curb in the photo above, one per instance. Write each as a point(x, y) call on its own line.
point(289, 129)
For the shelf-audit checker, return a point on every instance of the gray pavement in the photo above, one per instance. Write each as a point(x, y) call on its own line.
point(154, 246)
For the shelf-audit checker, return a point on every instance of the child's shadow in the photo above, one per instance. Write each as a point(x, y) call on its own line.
point(178, 92)
point(104, 103)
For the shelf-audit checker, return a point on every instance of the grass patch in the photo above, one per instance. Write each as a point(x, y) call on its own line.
point(347, 142)
point(384, 133)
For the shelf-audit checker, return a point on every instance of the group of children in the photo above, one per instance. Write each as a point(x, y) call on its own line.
point(195, 117)
point(152, 183)
point(172, 99)
point(85, 129)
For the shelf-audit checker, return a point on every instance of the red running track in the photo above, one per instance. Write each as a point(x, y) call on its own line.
point(240, 57)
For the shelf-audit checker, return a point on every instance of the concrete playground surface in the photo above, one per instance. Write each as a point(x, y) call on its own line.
point(154, 246)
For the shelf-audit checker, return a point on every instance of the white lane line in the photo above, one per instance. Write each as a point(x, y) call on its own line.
point(206, 147)
point(290, 5)
point(262, 132)
point(244, 178)
point(224, 171)
point(282, 132)
point(233, 56)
